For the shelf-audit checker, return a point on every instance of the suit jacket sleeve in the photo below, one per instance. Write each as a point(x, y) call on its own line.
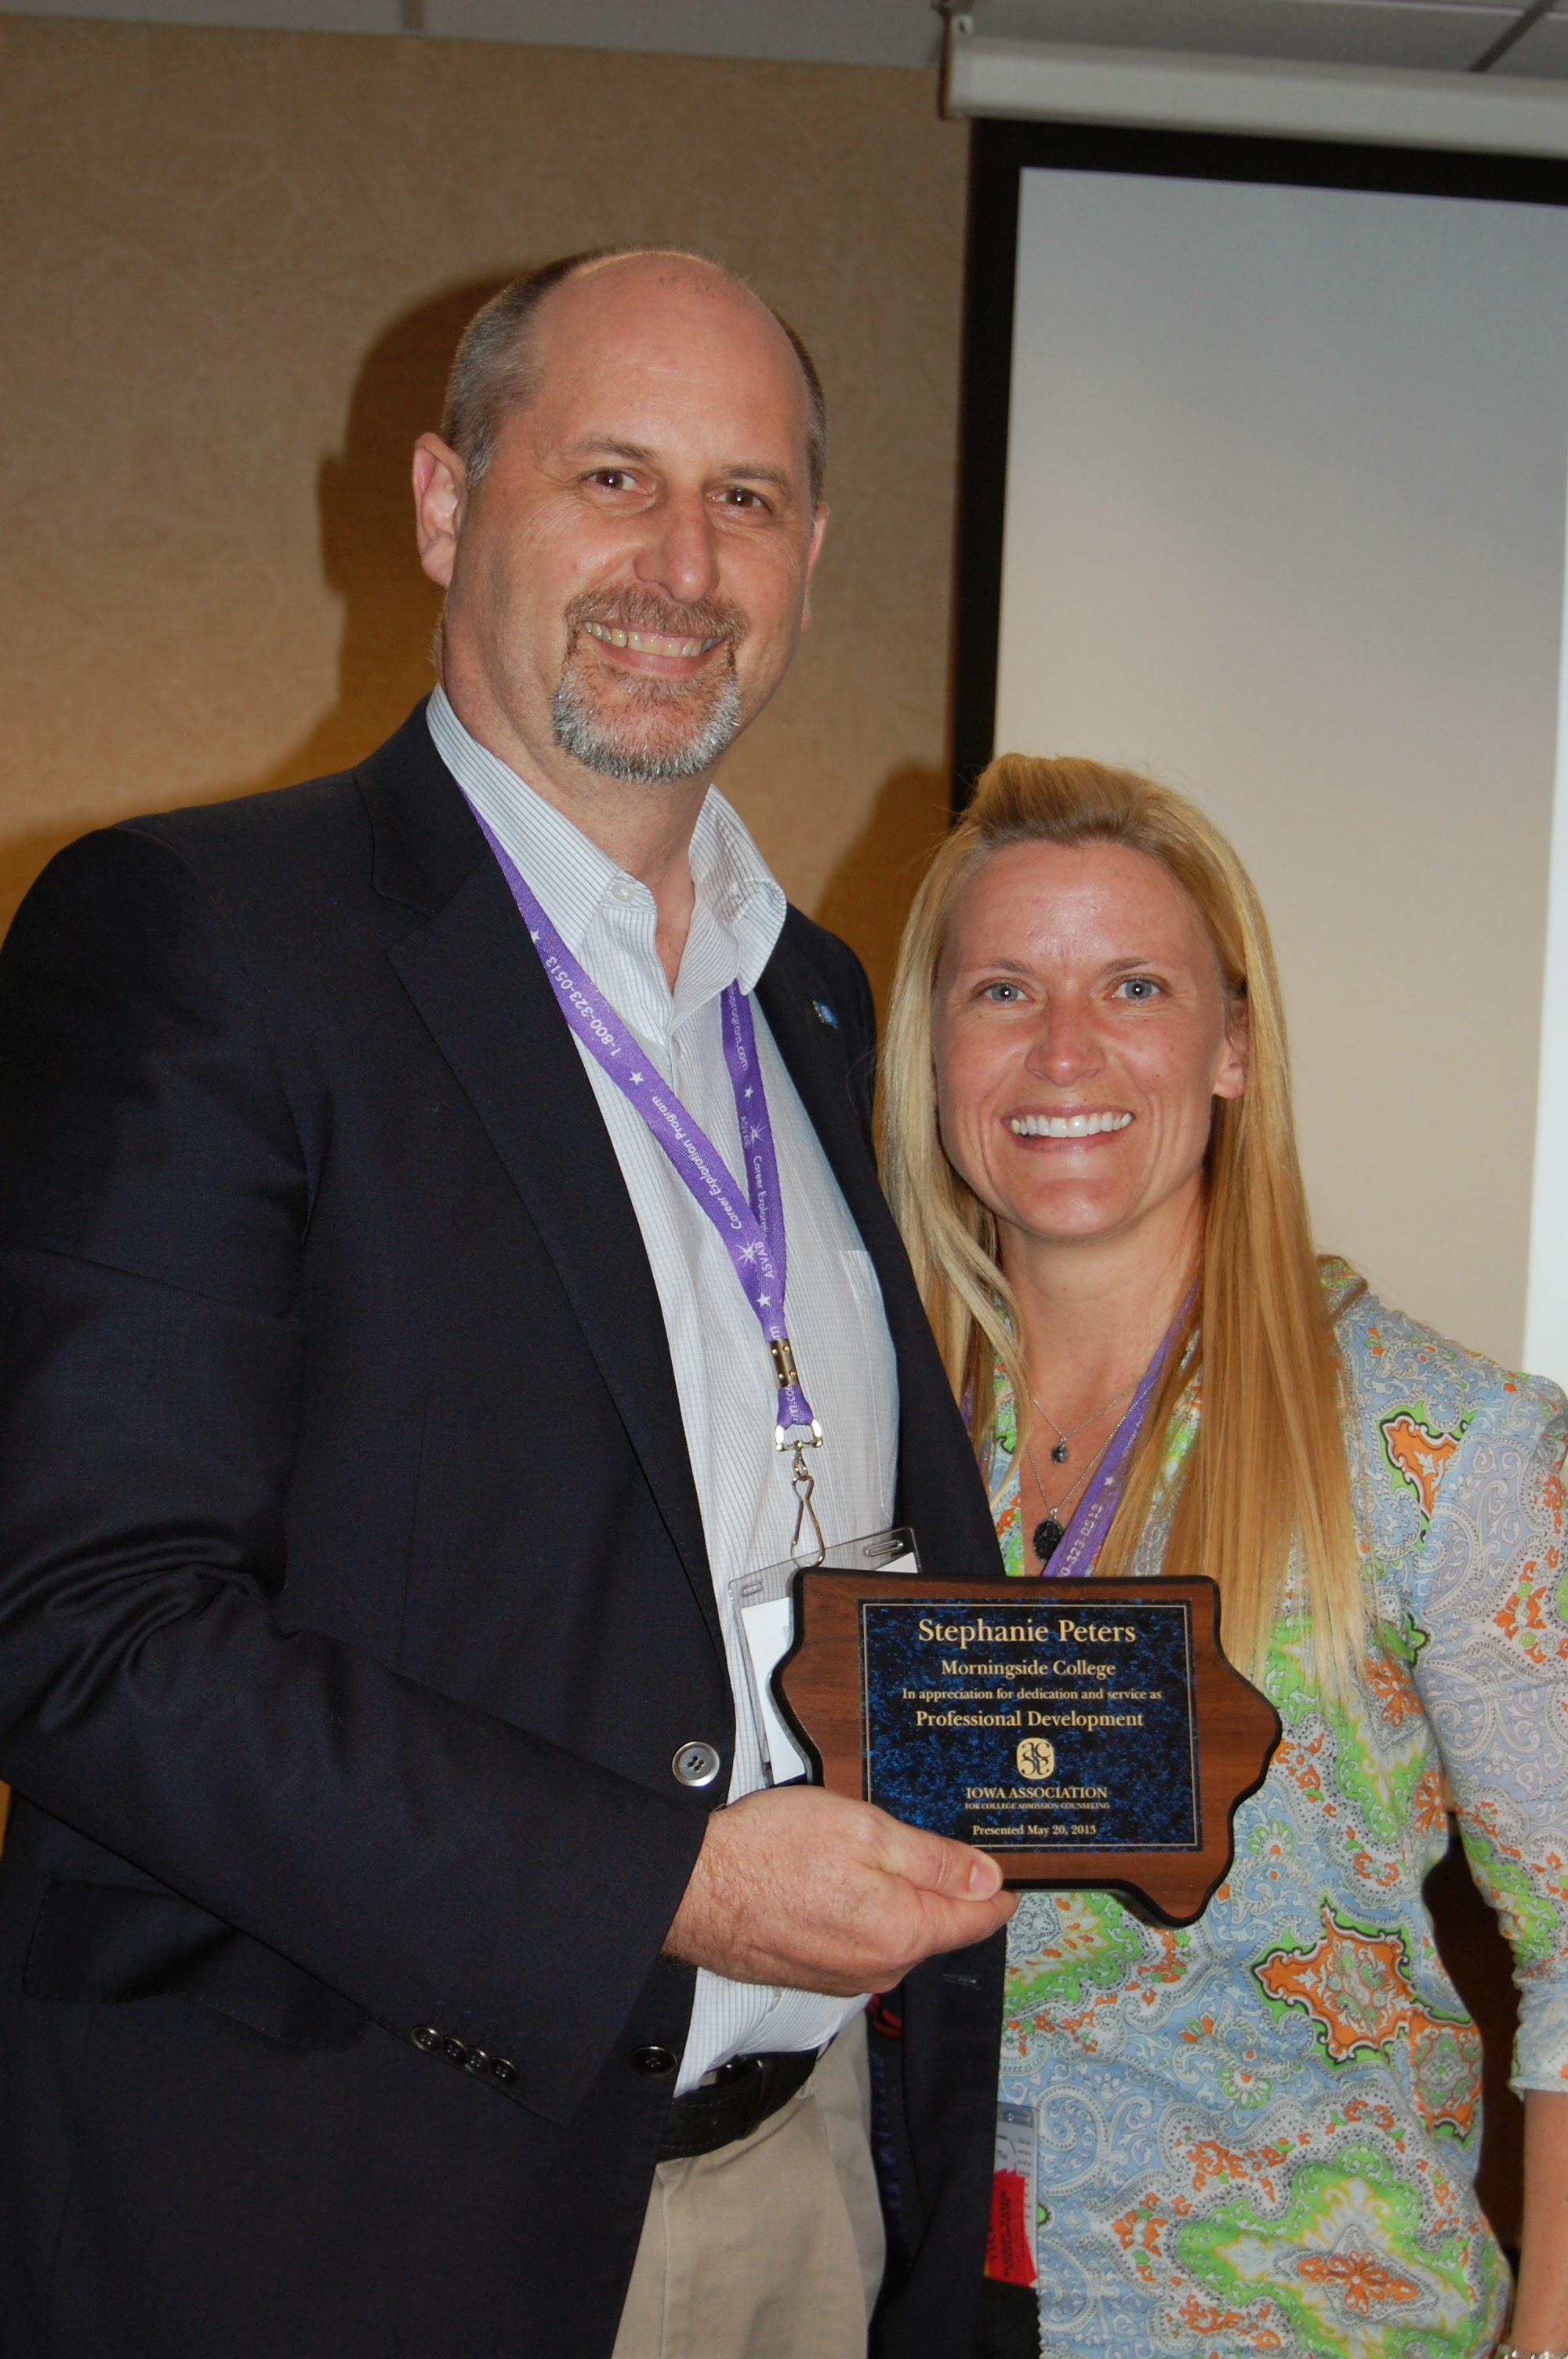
point(155, 1194)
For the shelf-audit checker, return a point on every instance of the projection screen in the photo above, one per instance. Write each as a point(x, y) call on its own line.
point(1266, 492)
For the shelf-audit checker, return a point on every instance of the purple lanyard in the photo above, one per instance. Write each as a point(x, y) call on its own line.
point(751, 1233)
point(1075, 1553)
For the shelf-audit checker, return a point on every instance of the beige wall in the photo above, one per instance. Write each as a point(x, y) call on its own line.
point(234, 265)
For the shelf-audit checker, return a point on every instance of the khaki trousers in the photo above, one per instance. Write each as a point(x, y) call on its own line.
point(771, 2248)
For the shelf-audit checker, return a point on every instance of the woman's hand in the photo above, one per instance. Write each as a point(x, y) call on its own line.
point(1540, 2308)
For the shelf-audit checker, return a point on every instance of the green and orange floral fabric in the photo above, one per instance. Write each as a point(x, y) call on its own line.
point(1260, 2134)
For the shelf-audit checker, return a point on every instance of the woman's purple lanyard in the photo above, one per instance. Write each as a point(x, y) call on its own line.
point(752, 1233)
point(1075, 1553)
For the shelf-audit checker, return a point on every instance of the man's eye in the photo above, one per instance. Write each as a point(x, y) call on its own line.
point(740, 495)
point(613, 479)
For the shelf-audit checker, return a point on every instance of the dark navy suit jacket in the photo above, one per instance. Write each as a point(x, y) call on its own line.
point(353, 1600)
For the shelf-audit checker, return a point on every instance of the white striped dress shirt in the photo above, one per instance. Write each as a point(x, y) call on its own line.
point(723, 1375)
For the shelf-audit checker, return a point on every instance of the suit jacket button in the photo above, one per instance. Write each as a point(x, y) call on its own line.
point(696, 1763)
point(652, 2061)
point(476, 2061)
point(427, 2037)
point(454, 2053)
point(502, 2068)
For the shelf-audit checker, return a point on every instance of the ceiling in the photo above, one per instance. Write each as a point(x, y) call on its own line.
point(1448, 36)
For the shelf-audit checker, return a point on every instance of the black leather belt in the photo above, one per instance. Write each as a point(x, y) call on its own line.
point(732, 2101)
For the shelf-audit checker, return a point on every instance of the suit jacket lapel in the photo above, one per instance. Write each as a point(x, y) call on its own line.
point(478, 985)
point(819, 1063)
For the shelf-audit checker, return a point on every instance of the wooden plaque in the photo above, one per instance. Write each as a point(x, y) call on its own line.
point(1081, 1731)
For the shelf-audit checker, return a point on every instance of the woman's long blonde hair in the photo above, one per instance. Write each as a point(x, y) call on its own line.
point(1268, 1473)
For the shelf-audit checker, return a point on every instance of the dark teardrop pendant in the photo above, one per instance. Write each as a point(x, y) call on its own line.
point(1059, 1454)
point(1047, 1536)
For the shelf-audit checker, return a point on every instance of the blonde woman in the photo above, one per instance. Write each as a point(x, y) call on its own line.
point(1259, 2133)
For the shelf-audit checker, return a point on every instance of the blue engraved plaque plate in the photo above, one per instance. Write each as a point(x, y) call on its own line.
point(1044, 1722)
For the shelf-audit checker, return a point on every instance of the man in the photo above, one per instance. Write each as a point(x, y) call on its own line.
point(384, 1423)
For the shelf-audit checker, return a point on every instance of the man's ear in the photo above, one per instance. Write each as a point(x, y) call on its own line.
point(818, 527)
point(440, 486)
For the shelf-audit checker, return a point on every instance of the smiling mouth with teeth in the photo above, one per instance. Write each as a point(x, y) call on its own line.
point(648, 642)
point(1066, 1125)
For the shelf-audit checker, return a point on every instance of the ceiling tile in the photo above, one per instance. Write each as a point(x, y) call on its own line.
point(1434, 35)
point(841, 32)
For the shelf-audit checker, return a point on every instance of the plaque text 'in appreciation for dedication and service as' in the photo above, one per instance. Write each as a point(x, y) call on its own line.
point(1018, 1729)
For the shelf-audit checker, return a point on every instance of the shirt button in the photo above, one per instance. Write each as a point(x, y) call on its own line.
point(652, 2061)
point(696, 1763)
point(623, 892)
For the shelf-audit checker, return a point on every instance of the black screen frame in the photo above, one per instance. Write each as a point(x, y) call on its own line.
point(1000, 153)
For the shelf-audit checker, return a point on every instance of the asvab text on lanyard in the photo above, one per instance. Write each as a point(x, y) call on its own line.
point(751, 1232)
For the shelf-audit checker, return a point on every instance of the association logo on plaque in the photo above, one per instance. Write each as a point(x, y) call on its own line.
point(1081, 1731)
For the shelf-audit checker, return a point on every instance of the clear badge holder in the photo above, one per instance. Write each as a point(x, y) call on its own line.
point(764, 1609)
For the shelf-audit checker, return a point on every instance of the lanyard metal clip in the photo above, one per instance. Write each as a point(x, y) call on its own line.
point(801, 1484)
point(799, 1439)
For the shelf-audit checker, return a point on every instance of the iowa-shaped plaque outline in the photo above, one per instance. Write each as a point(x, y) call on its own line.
point(818, 1688)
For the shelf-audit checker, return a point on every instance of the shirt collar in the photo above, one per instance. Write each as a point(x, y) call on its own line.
point(735, 889)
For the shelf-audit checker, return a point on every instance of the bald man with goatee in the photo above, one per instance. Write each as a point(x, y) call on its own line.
point(428, 1198)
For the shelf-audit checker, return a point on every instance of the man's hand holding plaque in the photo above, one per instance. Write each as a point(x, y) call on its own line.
point(817, 1893)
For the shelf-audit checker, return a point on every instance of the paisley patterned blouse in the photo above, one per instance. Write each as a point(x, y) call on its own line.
point(1261, 2133)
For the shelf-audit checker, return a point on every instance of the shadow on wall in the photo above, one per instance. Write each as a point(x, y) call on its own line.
point(22, 859)
point(390, 610)
point(867, 895)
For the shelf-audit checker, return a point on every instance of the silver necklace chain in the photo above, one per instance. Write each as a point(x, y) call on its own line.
point(1059, 1450)
point(1075, 1485)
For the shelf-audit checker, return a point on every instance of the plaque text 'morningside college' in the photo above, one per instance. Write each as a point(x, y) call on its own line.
point(1044, 1723)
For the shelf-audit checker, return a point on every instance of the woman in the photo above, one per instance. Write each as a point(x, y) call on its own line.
point(1258, 2133)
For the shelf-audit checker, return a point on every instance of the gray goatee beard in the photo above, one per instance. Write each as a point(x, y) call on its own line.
point(617, 745)
point(665, 730)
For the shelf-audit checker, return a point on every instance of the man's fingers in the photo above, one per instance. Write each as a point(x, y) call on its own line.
point(936, 1864)
point(954, 1924)
point(940, 1925)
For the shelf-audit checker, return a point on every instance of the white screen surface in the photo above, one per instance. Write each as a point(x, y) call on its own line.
point(1285, 525)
